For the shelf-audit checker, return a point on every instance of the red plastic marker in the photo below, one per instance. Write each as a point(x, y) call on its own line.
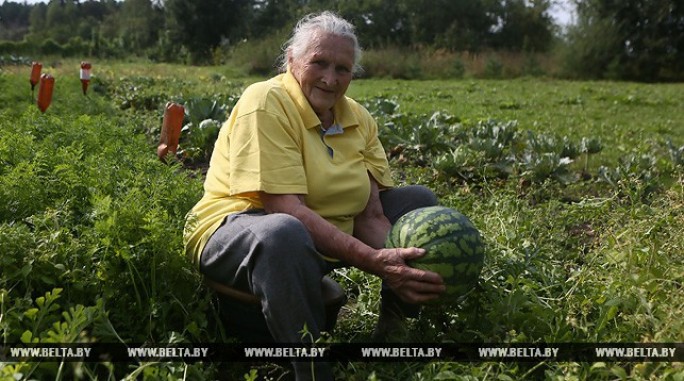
point(36, 67)
point(47, 83)
point(85, 76)
point(171, 129)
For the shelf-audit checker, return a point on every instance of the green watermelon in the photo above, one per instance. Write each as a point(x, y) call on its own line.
point(454, 246)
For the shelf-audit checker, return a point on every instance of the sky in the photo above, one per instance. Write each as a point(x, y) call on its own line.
point(561, 11)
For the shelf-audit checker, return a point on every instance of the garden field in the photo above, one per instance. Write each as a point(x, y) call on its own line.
point(577, 188)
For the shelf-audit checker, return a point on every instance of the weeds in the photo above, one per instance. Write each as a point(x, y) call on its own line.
point(583, 230)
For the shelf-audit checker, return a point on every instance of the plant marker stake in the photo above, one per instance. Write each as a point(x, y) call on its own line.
point(85, 76)
point(36, 67)
point(47, 83)
point(171, 129)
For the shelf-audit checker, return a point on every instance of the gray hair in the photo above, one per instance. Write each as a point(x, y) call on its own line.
point(305, 30)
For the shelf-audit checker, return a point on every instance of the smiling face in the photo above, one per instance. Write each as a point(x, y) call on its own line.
point(324, 71)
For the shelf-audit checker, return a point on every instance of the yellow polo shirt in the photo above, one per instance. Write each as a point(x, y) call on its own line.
point(272, 142)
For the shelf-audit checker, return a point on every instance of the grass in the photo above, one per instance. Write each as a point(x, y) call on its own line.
point(90, 212)
point(625, 115)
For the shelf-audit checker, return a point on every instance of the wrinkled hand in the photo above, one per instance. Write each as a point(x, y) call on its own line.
point(410, 284)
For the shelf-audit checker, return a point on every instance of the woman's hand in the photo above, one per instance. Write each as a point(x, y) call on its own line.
point(410, 284)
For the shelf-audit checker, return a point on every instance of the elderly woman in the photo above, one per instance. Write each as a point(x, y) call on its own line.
point(298, 185)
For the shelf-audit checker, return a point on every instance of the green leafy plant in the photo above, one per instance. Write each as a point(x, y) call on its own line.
point(204, 118)
point(91, 222)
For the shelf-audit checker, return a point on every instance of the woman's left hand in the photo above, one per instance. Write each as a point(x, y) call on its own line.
point(410, 284)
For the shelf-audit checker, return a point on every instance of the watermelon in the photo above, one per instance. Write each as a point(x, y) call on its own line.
point(454, 246)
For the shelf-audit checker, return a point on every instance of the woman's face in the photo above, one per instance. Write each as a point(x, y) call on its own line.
point(324, 71)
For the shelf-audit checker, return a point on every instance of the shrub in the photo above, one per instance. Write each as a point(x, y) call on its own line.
point(392, 63)
point(76, 47)
point(92, 212)
point(458, 68)
point(50, 47)
point(257, 56)
point(8, 47)
point(16, 48)
point(493, 68)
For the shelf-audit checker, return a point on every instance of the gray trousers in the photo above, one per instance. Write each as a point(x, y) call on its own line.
point(274, 257)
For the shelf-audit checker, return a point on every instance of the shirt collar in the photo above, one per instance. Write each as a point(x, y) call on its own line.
point(344, 117)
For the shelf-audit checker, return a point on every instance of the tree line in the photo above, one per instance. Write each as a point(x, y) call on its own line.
point(629, 39)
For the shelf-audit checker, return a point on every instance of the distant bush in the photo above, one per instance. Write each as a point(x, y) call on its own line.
point(76, 47)
point(391, 62)
point(435, 64)
point(7, 47)
point(458, 68)
point(260, 57)
point(532, 66)
point(50, 47)
point(493, 68)
point(254, 56)
point(15, 48)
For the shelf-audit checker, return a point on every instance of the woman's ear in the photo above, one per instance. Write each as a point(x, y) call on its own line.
point(289, 59)
point(292, 65)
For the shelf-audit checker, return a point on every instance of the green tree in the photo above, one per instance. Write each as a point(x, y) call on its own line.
point(202, 25)
point(378, 22)
point(452, 24)
point(272, 16)
point(142, 23)
point(14, 20)
point(92, 15)
point(524, 25)
point(76, 26)
point(629, 39)
point(37, 19)
point(61, 20)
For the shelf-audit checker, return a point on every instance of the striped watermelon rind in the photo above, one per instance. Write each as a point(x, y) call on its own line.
point(454, 246)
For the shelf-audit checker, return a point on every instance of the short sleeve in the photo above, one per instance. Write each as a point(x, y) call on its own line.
point(265, 155)
point(375, 157)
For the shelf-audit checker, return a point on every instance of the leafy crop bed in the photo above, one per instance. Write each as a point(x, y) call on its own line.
point(577, 187)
